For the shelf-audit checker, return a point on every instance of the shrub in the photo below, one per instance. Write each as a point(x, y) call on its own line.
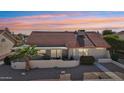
point(71, 58)
point(64, 58)
point(37, 57)
point(7, 60)
point(115, 57)
point(108, 32)
point(87, 60)
point(46, 57)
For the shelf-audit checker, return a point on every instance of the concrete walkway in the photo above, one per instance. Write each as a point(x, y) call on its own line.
point(108, 72)
point(115, 69)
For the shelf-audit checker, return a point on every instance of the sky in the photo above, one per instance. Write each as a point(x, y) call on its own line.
point(28, 21)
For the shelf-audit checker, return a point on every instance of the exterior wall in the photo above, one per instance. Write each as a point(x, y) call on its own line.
point(73, 52)
point(45, 64)
point(6, 46)
point(121, 36)
point(96, 52)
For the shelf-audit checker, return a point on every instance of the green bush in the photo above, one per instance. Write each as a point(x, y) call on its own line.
point(115, 42)
point(115, 57)
point(108, 32)
point(7, 60)
point(64, 58)
point(37, 57)
point(87, 60)
point(46, 57)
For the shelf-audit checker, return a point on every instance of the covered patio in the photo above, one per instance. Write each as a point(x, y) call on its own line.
point(53, 52)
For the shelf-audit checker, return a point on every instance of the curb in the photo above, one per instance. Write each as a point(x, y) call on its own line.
point(118, 64)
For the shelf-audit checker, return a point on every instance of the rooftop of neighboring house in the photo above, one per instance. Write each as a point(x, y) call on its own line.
point(121, 32)
point(67, 39)
point(8, 35)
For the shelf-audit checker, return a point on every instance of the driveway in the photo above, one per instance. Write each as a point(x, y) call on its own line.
point(115, 69)
point(77, 73)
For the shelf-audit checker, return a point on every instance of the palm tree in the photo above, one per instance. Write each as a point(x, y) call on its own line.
point(26, 53)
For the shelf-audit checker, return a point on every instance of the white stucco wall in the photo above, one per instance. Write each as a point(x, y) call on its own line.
point(45, 64)
point(96, 52)
point(5, 47)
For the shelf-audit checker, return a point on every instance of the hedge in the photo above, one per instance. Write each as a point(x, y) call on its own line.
point(87, 60)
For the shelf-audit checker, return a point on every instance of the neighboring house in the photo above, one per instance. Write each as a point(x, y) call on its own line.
point(121, 35)
point(7, 41)
point(21, 39)
point(69, 44)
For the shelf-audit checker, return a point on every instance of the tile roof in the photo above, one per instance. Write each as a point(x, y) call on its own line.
point(122, 32)
point(67, 39)
point(52, 39)
point(8, 35)
point(97, 40)
point(1, 31)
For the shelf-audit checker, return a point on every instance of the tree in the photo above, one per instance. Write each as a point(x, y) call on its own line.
point(116, 46)
point(107, 32)
point(115, 42)
point(27, 52)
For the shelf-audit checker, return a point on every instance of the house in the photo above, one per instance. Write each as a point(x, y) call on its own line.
point(7, 41)
point(121, 35)
point(69, 44)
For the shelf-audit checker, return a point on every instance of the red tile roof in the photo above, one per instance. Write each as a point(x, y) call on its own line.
point(67, 39)
point(52, 39)
point(97, 40)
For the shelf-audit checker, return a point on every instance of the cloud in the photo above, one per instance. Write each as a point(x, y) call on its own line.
point(61, 22)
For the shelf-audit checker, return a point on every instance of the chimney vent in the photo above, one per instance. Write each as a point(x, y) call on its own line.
point(81, 32)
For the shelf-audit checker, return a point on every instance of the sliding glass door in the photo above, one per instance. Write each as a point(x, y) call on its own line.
point(56, 53)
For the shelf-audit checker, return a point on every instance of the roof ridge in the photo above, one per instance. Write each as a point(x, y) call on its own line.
point(51, 32)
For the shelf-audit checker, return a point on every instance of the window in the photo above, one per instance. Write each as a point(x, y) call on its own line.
point(41, 52)
point(59, 53)
point(83, 52)
point(56, 53)
point(53, 53)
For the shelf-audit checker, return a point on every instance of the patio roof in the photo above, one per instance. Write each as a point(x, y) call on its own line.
point(40, 47)
point(51, 48)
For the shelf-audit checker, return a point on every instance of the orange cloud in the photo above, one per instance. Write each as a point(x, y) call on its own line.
point(49, 22)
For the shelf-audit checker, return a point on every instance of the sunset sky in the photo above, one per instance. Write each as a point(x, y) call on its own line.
point(25, 22)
